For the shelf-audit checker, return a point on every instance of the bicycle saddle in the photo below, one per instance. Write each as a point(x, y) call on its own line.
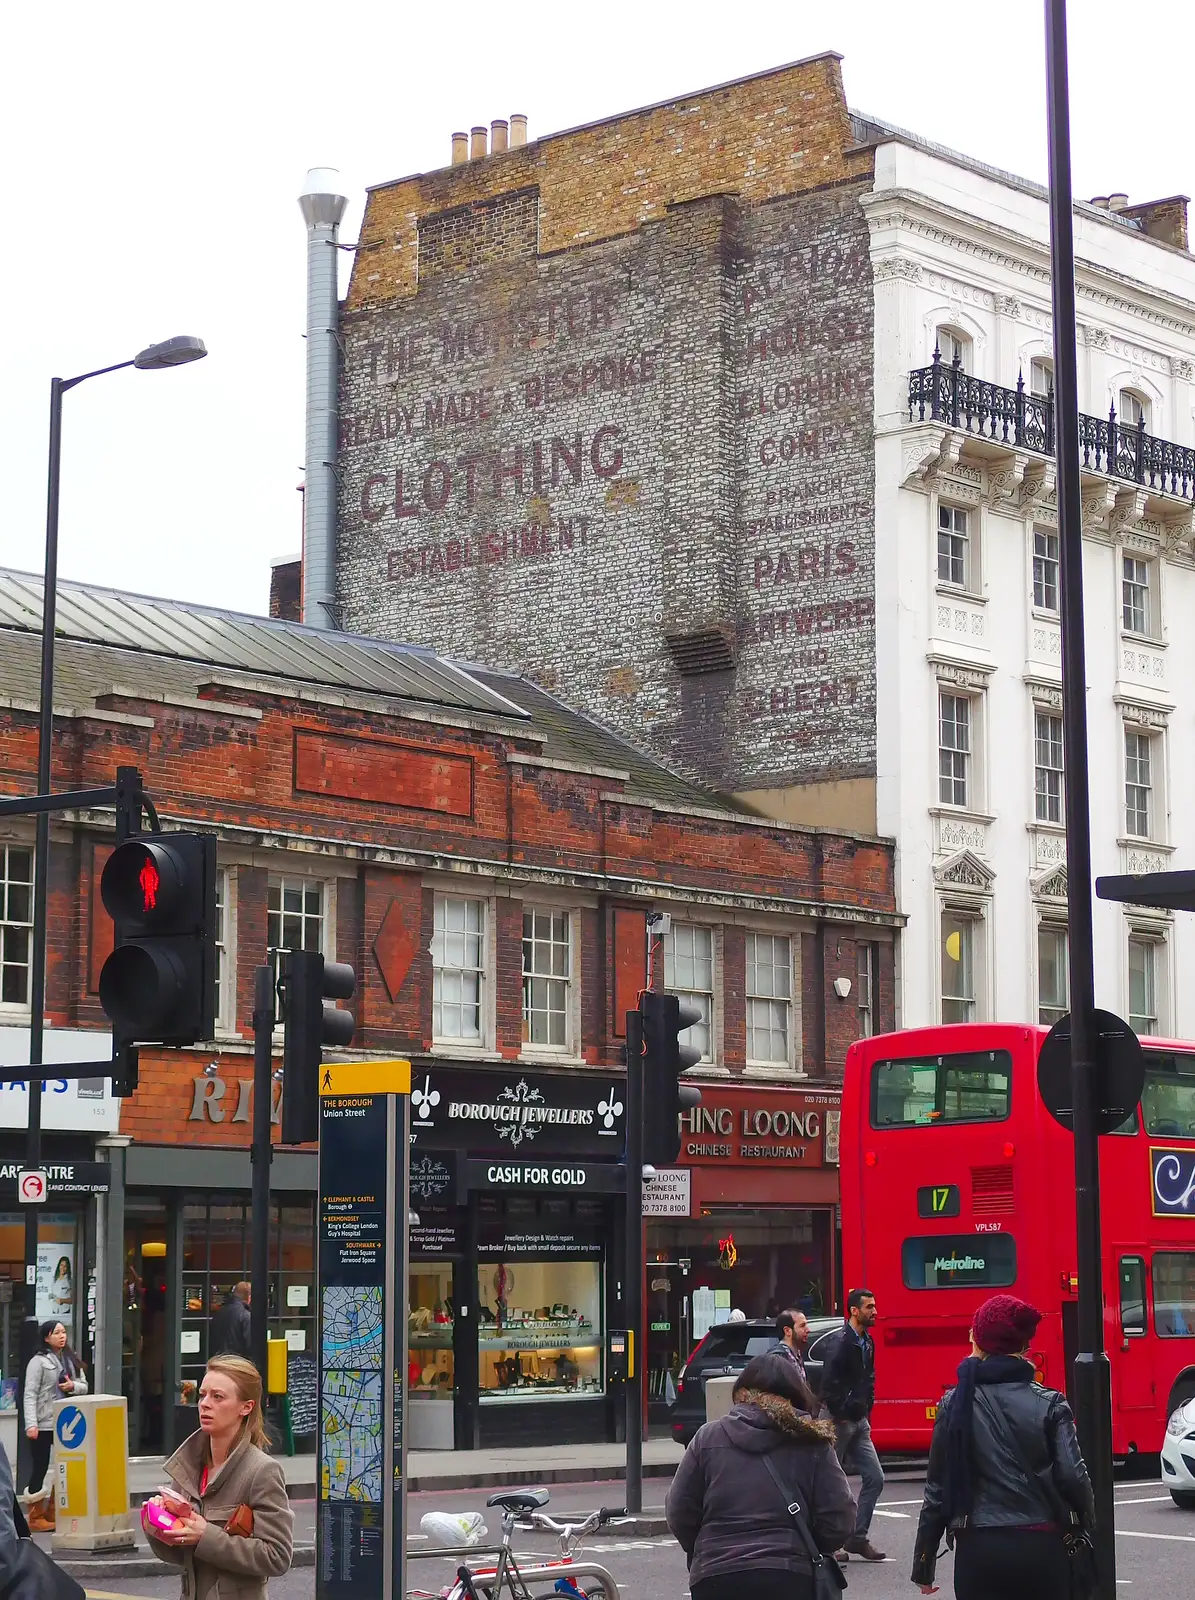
point(520, 1501)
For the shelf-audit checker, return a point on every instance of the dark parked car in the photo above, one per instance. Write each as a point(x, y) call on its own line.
point(725, 1350)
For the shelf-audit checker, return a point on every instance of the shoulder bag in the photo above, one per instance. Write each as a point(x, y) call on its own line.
point(1079, 1548)
point(829, 1580)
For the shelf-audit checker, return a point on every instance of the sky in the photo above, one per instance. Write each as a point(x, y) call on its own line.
point(155, 154)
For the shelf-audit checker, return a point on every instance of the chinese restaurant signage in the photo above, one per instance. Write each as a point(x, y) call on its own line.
point(750, 1127)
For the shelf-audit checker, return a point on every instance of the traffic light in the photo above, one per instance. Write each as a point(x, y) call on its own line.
point(310, 1020)
point(159, 984)
point(662, 1018)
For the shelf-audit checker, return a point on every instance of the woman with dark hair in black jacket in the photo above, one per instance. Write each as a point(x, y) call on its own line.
point(724, 1507)
point(1005, 1480)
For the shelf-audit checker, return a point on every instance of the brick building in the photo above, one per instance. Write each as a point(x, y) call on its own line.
point(485, 857)
point(606, 419)
point(735, 414)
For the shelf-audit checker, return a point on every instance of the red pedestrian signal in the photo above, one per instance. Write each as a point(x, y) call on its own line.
point(159, 984)
point(150, 881)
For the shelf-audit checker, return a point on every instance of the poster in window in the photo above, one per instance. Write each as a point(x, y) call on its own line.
point(56, 1284)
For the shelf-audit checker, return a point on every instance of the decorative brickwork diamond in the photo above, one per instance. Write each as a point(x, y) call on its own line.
point(394, 950)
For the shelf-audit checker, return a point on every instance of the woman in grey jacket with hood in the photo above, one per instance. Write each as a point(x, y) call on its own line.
point(724, 1508)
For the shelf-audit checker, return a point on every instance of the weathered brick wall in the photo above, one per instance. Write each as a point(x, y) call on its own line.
point(238, 773)
point(646, 445)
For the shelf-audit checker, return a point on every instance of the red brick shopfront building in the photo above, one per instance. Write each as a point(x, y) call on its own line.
point(485, 857)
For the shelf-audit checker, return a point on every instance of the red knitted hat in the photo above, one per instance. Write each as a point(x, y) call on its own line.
point(1004, 1325)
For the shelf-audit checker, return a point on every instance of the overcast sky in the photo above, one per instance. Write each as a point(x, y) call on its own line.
point(154, 153)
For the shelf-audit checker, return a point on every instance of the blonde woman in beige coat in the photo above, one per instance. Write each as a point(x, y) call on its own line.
point(216, 1473)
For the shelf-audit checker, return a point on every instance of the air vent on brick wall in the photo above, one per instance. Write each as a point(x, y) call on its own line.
point(991, 1192)
point(709, 650)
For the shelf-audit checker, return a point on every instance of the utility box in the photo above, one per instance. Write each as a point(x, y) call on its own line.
point(719, 1393)
point(91, 1470)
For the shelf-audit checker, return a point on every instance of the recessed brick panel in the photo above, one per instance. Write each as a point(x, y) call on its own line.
point(378, 772)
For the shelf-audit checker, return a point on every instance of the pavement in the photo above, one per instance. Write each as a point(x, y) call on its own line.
point(429, 1472)
point(1155, 1547)
point(466, 1469)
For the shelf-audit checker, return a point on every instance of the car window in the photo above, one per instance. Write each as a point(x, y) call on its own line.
point(725, 1342)
point(756, 1345)
point(817, 1346)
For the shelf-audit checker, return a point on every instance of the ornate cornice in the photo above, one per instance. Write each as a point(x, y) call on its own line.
point(980, 240)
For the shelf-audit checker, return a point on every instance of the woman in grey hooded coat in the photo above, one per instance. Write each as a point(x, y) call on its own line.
point(725, 1509)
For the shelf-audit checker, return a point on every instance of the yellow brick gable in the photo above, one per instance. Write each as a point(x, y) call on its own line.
point(781, 132)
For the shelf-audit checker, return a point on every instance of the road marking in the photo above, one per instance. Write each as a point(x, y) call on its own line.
point(1150, 1500)
point(110, 1594)
point(1132, 1533)
point(903, 1515)
point(902, 1502)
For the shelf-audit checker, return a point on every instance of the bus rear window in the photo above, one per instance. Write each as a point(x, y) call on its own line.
point(959, 1261)
point(1168, 1099)
point(971, 1087)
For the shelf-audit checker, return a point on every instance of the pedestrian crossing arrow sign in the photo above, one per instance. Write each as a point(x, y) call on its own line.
point(365, 1077)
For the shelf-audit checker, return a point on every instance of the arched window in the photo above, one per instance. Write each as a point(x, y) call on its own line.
point(1132, 409)
point(952, 346)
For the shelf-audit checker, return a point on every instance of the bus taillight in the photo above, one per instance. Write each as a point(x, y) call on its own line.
point(1039, 1367)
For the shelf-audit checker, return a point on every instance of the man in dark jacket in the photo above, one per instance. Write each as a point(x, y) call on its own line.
point(848, 1394)
point(792, 1335)
point(230, 1326)
point(725, 1509)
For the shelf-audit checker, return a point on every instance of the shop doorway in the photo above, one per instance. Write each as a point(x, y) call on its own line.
point(143, 1333)
point(668, 1332)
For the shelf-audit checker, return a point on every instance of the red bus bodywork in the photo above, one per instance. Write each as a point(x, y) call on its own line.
point(1009, 1177)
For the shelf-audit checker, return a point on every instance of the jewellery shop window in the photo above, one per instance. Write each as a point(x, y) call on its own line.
point(539, 1303)
point(429, 1337)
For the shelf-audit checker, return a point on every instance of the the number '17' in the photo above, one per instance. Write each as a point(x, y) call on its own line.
point(941, 1198)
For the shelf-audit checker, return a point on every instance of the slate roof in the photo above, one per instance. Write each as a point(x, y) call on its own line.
point(263, 646)
point(111, 642)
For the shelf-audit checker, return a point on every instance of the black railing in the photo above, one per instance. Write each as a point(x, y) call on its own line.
point(943, 392)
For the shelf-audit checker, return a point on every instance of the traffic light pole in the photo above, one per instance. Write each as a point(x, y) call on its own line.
point(1092, 1388)
point(633, 1286)
point(261, 1156)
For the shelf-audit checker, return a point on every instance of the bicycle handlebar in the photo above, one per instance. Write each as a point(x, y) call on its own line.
point(574, 1530)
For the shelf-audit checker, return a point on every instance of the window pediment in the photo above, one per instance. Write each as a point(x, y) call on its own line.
point(965, 871)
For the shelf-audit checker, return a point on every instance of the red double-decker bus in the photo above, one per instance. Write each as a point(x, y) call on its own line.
point(957, 1183)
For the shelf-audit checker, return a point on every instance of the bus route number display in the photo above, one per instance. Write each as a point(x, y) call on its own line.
point(938, 1200)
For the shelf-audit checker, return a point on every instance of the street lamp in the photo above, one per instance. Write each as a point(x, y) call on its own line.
point(170, 353)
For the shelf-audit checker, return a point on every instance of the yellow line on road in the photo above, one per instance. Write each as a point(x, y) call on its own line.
point(111, 1594)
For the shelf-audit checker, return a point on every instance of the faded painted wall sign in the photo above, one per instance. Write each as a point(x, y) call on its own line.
point(558, 463)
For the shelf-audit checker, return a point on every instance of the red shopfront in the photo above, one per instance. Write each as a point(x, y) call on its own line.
point(759, 1169)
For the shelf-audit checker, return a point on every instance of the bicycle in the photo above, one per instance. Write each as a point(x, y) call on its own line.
point(557, 1579)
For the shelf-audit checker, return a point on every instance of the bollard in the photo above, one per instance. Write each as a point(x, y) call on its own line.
point(718, 1393)
point(91, 1474)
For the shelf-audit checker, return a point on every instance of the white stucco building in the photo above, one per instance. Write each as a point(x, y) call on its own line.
point(969, 777)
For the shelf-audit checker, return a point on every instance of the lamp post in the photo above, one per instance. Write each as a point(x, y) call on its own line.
point(170, 353)
point(1090, 1377)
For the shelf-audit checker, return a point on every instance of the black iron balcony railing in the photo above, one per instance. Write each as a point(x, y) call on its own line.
point(945, 393)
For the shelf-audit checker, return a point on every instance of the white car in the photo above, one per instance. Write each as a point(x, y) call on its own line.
point(1178, 1456)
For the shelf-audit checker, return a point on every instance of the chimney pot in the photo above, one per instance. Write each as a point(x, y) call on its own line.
point(518, 130)
point(477, 143)
point(460, 149)
point(1100, 202)
point(1117, 202)
point(498, 135)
